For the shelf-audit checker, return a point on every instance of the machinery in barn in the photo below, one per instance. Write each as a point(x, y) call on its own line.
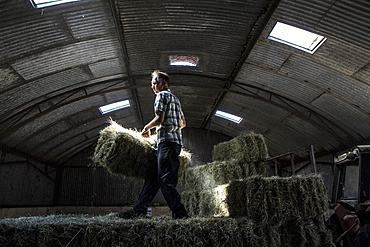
point(350, 222)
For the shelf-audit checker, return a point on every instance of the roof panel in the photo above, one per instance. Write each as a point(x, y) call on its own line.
point(66, 57)
point(348, 20)
point(329, 80)
point(35, 35)
point(44, 120)
point(107, 68)
point(281, 83)
point(266, 55)
point(345, 113)
point(8, 77)
point(34, 90)
point(90, 22)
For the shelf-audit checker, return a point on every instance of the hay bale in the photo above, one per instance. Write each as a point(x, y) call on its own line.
point(207, 203)
point(125, 153)
point(310, 232)
point(247, 148)
point(109, 230)
point(91, 231)
point(272, 199)
point(262, 199)
point(210, 175)
point(254, 168)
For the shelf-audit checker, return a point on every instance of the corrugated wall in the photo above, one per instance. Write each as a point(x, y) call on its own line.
point(82, 185)
point(25, 183)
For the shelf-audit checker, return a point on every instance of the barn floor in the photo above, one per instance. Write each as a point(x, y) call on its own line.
point(110, 230)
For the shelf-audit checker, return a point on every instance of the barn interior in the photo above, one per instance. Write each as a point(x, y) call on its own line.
point(61, 62)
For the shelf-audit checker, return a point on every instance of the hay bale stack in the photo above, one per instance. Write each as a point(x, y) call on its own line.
point(262, 199)
point(274, 211)
point(125, 153)
point(238, 158)
point(247, 148)
point(109, 230)
point(216, 173)
point(271, 199)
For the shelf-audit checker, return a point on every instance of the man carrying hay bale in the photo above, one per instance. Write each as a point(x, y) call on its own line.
point(169, 120)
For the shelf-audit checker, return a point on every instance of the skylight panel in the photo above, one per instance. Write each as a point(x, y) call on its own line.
point(296, 37)
point(114, 106)
point(228, 116)
point(191, 61)
point(48, 3)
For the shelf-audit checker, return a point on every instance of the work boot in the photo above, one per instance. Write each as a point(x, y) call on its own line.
point(131, 214)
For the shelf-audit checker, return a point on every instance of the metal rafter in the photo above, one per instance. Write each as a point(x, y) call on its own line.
point(23, 155)
point(131, 80)
point(249, 46)
point(248, 94)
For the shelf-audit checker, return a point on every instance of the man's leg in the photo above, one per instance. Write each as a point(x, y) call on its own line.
point(148, 192)
point(150, 189)
point(168, 166)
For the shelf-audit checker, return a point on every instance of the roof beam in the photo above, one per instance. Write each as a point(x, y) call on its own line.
point(249, 46)
point(322, 125)
point(121, 38)
point(20, 154)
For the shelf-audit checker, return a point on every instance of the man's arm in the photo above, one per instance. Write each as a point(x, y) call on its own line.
point(156, 121)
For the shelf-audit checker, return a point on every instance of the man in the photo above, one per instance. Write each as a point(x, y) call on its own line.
point(169, 120)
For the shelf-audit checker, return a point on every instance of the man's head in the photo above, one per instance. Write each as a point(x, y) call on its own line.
point(160, 81)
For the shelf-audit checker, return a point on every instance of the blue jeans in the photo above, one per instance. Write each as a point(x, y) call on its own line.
point(163, 175)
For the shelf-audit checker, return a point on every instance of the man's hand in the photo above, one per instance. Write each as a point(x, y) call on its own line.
point(146, 132)
point(156, 121)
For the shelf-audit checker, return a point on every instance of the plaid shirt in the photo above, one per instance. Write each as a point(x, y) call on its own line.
point(170, 129)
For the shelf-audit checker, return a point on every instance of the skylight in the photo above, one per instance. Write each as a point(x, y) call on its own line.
point(191, 61)
point(114, 106)
point(228, 116)
point(296, 37)
point(48, 3)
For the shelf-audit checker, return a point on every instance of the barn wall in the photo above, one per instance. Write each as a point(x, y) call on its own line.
point(25, 183)
point(83, 186)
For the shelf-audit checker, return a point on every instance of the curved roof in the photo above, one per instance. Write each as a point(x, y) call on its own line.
point(60, 63)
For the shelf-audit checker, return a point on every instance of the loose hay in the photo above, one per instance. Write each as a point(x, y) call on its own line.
point(109, 230)
point(247, 148)
point(262, 199)
point(210, 175)
point(125, 153)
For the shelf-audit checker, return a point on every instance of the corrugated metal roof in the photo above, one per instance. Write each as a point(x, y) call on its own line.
point(59, 64)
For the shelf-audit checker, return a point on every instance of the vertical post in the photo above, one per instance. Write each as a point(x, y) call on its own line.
point(58, 185)
point(276, 168)
point(336, 195)
point(313, 161)
point(292, 164)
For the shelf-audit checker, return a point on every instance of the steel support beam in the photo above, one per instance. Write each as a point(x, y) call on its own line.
point(23, 155)
point(247, 94)
point(249, 47)
point(126, 60)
